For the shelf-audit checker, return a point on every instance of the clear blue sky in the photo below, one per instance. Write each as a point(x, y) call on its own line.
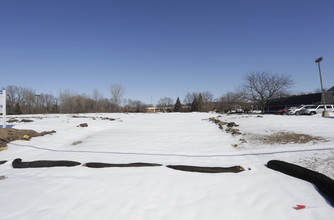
point(159, 48)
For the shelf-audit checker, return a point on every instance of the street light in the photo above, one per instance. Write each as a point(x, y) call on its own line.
point(325, 112)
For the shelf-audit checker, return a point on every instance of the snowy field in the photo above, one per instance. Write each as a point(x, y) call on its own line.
point(155, 193)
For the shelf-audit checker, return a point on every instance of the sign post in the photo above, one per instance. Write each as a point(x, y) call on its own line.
point(3, 107)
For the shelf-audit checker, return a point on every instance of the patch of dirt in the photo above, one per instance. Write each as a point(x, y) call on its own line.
point(78, 116)
point(229, 129)
point(14, 120)
point(11, 134)
point(229, 126)
point(27, 120)
point(106, 118)
point(281, 137)
point(83, 125)
point(94, 118)
point(288, 137)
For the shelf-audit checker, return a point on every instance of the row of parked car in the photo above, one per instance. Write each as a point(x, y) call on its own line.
point(306, 110)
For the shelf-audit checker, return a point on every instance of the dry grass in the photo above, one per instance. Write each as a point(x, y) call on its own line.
point(10, 134)
point(288, 138)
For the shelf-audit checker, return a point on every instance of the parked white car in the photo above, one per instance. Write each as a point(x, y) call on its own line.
point(316, 109)
point(295, 110)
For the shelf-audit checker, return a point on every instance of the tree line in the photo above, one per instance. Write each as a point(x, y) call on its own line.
point(258, 89)
point(21, 100)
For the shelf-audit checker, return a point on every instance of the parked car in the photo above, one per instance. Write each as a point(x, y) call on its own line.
point(254, 111)
point(236, 110)
point(295, 110)
point(315, 109)
point(283, 111)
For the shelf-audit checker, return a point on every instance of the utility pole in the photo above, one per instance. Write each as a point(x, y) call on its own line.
point(325, 112)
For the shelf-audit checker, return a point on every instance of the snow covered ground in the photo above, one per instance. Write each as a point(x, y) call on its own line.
point(159, 192)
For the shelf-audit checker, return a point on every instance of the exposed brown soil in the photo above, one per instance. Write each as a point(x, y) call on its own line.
point(288, 137)
point(229, 126)
point(77, 142)
point(14, 120)
point(281, 137)
point(94, 118)
point(11, 134)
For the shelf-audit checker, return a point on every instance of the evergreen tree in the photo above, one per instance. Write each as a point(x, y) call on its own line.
point(178, 105)
point(17, 110)
point(194, 105)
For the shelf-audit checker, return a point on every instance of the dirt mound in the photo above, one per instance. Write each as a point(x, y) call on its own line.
point(229, 125)
point(11, 134)
point(288, 137)
point(14, 120)
point(83, 125)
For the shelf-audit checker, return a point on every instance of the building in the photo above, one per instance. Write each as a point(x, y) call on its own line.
point(153, 109)
point(329, 96)
point(296, 100)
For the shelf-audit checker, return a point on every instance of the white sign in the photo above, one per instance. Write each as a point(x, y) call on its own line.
point(3, 107)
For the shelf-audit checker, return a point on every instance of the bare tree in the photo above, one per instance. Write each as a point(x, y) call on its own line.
point(98, 101)
point(117, 92)
point(135, 106)
point(14, 99)
point(20, 100)
point(262, 87)
point(189, 98)
point(207, 104)
point(48, 103)
point(70, 102)
point(231, 99)
point(207, 96)
point(25, 100)
point(96, 96)
point(165, 102)
point(204, 99)
point(65, 99)
point(30, 101)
